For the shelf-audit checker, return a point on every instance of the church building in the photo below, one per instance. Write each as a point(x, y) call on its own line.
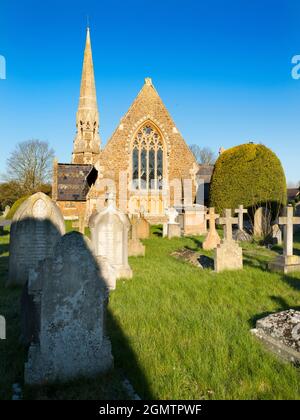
point(146, 163)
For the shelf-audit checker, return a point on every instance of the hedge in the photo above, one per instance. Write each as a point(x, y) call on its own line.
point(15, 207)
point(249, 174)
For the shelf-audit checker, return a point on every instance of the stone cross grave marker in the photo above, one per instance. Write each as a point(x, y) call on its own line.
point(212, 239)
point(227, 221)
point(287, 262)
point(240, 212)
point(228, 255)
point(288, 222)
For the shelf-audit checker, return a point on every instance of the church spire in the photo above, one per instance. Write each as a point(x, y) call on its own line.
point(87, 140)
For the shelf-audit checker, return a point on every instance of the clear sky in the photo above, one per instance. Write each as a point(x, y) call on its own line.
point(223, 69)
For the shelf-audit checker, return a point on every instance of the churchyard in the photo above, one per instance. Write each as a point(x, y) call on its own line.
point(178, 330)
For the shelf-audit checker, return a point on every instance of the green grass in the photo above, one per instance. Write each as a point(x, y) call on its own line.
point(177, 331)
point(185, 332)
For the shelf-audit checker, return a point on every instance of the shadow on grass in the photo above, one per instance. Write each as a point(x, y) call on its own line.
point(282, 305)
point(255, 261)
point(125, 358)
point(197, 243)
point(292, 282)
point(157, 230)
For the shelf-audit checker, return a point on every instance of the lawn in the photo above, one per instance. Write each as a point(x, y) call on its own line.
point(177, 331)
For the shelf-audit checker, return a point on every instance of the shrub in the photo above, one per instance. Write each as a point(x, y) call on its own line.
point(249, 174)
point(15, 207)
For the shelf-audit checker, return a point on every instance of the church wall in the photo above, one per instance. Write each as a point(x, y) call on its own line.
point(116, 156)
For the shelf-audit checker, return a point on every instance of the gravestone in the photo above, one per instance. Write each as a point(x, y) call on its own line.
point(280, 333)
point(71, 296)
point(240, 234)
point(276, 235)
point(135, 246)
point(109, 234)
point(262, 222)
point(165, 230)
point(35, 229)
point(287, 263)
point(228, 255)
point(173, 228)
point(194, 220)
point(212, 239)
point(142, 227)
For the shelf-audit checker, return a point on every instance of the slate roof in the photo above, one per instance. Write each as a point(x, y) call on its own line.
point(205, 172)
point(292, 193)
point(74, 181)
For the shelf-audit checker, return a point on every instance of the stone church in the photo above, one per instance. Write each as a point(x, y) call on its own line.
point(146, 163)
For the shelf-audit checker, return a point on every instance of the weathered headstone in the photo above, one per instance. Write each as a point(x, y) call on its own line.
point(287, 262)
point(35, 229)
point(71, 296)
point(262, 222)
point(276, 235)
point(280, 333)
point(109, 234)
point(212, 239)
point(194, 220)
point(135, 246)
point(228, 255)
point(142, 227)
point(174, 229)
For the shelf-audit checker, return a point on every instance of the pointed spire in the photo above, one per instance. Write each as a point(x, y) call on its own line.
point(87, 141)
point(88, 97)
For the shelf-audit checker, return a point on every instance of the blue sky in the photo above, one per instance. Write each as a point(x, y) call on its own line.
point(223, 69)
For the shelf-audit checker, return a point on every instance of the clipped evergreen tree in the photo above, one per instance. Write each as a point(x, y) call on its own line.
point(249, 174)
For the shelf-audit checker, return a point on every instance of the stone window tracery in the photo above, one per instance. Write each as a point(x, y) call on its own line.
point(147, 159)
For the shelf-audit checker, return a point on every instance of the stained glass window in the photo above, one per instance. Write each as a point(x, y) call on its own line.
point(147, 159)
point(143, 169)
point(159, 169)
point(135, 168)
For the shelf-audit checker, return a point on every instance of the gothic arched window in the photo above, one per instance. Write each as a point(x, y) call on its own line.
point(147, 159)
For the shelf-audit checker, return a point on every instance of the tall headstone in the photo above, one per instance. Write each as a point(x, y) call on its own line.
point(288, 262)
point(70, 295)
point(174, 229)
point(135, 246)
point(262, 222)
point(212, 239)
point(228, 255)
point(109, 234)
point(36, 227)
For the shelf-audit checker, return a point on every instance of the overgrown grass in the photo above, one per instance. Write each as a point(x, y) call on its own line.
point(177, 331)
